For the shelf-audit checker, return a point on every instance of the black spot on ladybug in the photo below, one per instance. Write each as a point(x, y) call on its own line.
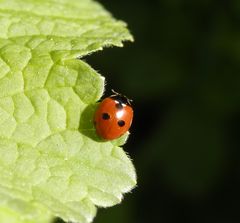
point(105, 116)
point(119, 106)
point(121, 123)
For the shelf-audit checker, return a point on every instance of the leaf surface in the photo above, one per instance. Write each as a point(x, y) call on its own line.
point(52, 163)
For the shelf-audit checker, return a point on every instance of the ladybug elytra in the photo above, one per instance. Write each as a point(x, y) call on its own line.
point(113, 116)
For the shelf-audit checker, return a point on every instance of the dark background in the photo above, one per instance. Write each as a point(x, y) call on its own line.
point(183, 73)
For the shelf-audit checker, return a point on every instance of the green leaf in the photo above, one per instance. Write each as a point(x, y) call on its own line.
point(33, 213)
point(64, 28)
point(52, 163)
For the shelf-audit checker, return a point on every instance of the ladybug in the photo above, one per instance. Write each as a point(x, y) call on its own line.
point(113, 116)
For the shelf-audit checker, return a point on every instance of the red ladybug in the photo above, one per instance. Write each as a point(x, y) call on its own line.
point(113, 116)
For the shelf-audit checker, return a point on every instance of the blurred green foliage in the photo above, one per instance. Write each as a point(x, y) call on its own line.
point(183, 73)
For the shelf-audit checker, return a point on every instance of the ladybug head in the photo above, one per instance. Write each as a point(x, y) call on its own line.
point(121, 98)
